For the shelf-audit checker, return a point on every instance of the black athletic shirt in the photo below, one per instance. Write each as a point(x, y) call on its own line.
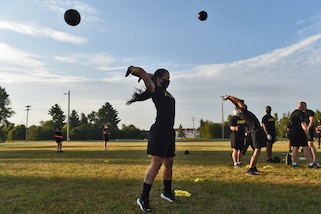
point(250, 119)
point(296, 117)
point(165, 107)
point(309, 113)
point(269, 122)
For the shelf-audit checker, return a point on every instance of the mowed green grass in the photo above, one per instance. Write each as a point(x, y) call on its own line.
point(87, 179)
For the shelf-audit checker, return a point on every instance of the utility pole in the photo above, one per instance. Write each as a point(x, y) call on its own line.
point(68, 116)
point(193, 118)
point(27, 109)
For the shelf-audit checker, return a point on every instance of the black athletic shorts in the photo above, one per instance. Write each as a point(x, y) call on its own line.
point(161, 141)
point(298, 137)
point(237, 141)
point(258, 138)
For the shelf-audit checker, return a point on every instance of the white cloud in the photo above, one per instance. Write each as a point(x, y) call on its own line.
point(34, 30)
point(88, 13)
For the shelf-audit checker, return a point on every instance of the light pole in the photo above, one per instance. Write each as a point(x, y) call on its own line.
point(193, 118)
point(27, 109)
point(223, 98)
point(68, 116)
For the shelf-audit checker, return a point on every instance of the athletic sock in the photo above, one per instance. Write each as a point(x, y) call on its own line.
point(146, 191)
point(168, 186)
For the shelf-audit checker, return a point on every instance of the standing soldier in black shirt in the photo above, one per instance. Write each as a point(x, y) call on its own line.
point(299, 135)
point(59, 139)
point(237, 127)
point(161, 139)
point(105, 136)
point(309, 120)
point(268, 124)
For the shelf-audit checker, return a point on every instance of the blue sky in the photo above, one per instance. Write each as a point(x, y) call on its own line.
point(265, 52)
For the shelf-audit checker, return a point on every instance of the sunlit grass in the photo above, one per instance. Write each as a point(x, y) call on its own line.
point(87, 179)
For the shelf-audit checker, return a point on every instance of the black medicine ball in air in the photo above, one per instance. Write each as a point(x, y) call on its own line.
point(202, 15)
point(72, 17)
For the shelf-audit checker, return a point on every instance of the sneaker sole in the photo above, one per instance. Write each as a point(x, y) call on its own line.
point(141, 206)
point(251, 174)
point(166, 198)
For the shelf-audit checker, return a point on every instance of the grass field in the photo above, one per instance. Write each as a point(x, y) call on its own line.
point(86, 179)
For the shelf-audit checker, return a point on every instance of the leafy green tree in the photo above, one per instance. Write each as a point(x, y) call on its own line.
point(74, 119)
point(206, 129)
point(83, 119)
point(282, 124)
point(92, 118)
point(45, 131)
point(107, 114)
point(57, 115)
point(5, 111)
point(131, 132)
point(81, 132)
point(180, 132)
point(17, 133)
point(317, 115)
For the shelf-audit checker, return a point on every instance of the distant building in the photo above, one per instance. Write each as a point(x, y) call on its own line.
point(188, 133)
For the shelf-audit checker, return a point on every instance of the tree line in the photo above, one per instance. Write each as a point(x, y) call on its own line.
point(89, 127)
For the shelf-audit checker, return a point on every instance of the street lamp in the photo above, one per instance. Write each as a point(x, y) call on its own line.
point(223, 98)
point(193, 118)
point(27, 109)
point(68, 116)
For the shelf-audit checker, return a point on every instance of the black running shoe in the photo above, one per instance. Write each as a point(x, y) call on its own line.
point(143, 205)
point(314, 166)
point(251, 172)
point(295, 165)
point(256, 170)
point(168, 197)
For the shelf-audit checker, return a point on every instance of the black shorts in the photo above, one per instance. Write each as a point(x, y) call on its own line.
point(298, 138)
point(161, 141)
point(237, 141)
point(258, 138)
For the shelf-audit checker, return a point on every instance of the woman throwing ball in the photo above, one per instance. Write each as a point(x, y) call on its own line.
point(161, 140)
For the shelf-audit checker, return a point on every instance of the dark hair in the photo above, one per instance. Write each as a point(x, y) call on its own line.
point(140, 95)
point(268, 109)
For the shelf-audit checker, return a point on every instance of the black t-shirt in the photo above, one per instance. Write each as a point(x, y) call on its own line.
point(269, 123)
point(250, 119)
point(58, 136)
point(165, 107)
point(237, 121)
point(296, 117)
point(309, 113)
